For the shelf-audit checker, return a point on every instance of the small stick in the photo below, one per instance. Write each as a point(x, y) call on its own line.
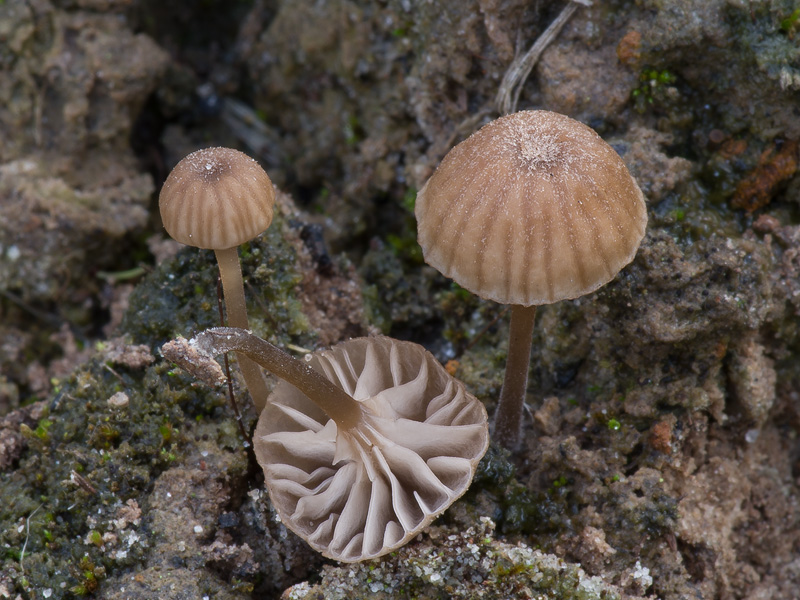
point(519, 70)
point(114, 373)
point(27, 536)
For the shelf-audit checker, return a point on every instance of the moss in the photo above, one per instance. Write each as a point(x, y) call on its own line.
point(180, 296)
point(460, 564)
point(518, 510)
point(767, 32)
point(641, 506)
point(88, 459)
point(67, 499)
point(396, 291)
point(656, 89)
point(789, 24)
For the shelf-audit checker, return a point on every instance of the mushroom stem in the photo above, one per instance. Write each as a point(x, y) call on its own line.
point(508, 417)
point(340, 406)
point(230, 272)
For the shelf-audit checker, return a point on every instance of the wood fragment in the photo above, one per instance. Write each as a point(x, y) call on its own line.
point(518, 71)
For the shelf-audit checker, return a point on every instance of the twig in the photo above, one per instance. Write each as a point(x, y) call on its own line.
point(195, 362)
point(82, 482)
point(27, 536)
point(298, 349)
point(114, 373)
point(246, 125)
point(50, 319)
point(517, 74)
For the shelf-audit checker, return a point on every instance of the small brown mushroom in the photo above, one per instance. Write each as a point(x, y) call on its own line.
point(363, 445)
point(219, 198)
point(531, 209)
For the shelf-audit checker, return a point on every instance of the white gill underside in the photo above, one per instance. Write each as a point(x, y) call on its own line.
point(358, 494)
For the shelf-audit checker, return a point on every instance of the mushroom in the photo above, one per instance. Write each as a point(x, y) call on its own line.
point(362, 445)
point(531, 209)
point(219, 198)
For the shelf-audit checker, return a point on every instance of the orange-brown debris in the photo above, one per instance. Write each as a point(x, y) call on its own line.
point(629, 49)
point(661, 436)
point(758, 188)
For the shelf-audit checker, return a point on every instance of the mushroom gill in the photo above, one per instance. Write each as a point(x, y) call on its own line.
point(358, 487)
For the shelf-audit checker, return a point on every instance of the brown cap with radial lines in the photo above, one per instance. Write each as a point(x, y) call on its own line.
point(531, 209)
point(216, 198)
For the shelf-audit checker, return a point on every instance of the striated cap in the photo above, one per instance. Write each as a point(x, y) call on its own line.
point(359, 493)
point(531, 209)
point(216, 198)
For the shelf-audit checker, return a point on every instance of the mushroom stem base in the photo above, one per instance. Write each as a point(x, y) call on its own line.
point(508, 417)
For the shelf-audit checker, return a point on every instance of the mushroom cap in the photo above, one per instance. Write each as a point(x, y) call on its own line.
point(216, 198)
point(531, 209)
point(361, 493)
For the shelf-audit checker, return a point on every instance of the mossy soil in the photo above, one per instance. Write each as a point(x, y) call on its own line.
point(661, 445)
point(86, 458)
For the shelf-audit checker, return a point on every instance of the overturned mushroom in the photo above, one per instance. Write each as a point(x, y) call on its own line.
point(364, 444)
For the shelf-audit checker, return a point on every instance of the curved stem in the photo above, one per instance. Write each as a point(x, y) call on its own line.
point(337, 404)
point(230, 272)
point(508, 418)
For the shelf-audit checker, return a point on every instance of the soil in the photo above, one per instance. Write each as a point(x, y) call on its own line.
point(661, 455)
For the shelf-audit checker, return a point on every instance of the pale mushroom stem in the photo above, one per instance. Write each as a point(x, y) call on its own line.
point(508, 417)
point(334, 401)
point(230, 272)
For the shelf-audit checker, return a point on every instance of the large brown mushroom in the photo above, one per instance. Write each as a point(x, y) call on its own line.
point(531, 209)
point(219, 198)
point(362, 445)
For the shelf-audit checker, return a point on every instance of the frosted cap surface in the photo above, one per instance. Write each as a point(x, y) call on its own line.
point(531, 209)
point(216, 198)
